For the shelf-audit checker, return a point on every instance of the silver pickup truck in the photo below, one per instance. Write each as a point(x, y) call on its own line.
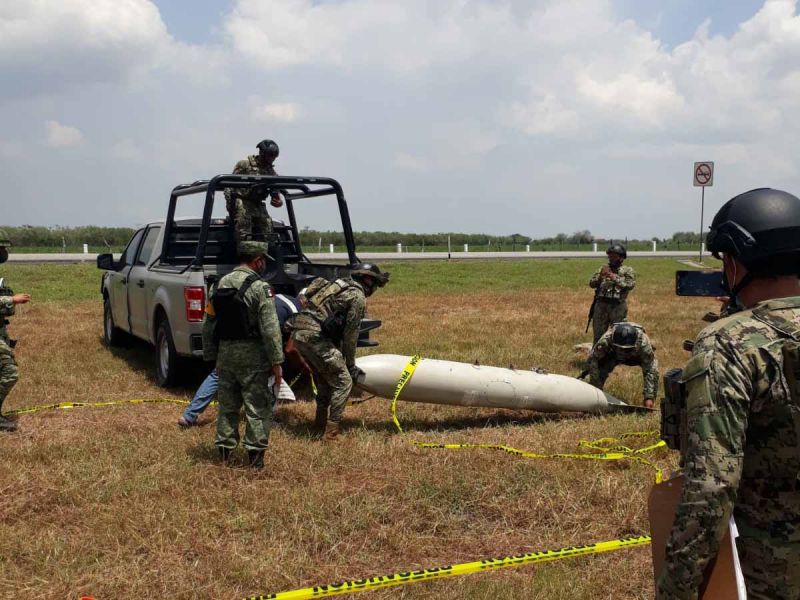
point(157, 289)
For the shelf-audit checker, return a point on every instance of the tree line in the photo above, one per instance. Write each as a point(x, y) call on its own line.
point(117, 237)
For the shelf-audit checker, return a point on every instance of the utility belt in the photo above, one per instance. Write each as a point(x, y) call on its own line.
point(604, 300)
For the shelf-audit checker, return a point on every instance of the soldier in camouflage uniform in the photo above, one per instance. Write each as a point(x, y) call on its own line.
point(325, 333)
point(5, 244)
point(612, 284)
point(246, 206)
point(9, 373)
point(241, 333)
point(742, 393)
point(626, 344)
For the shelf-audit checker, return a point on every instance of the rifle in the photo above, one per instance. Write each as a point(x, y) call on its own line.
point(591, 309)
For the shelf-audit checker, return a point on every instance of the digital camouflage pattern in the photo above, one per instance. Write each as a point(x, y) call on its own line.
point(605, 356)
point(244, 366)
point(743, 456)
point(330, 361)
point(246, 207)
point(612, 285)
point(9, 374)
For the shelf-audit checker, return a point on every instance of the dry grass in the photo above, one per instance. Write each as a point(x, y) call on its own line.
point(119, 503)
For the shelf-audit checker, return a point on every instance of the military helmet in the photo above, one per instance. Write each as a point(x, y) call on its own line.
point(617, 249)
point(369, 271)
point(269, 148)
point(624, 336)
point(761, 229)
point(253, 248)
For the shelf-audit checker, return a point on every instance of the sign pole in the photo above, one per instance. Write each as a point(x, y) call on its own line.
point(703, 177)
point(702, 208)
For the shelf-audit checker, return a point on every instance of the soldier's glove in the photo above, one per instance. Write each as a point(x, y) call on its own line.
point(355, 373)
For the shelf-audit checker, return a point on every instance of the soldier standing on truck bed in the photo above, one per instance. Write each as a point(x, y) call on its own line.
point(326, 335)
point(612, 284)
point(624, 344)
point(246, 206)
point(241, 333)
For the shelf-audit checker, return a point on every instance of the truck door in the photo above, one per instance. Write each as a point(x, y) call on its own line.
point(140, 285)
point(118, 282)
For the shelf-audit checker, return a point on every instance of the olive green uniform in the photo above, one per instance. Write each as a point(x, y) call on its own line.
point(605, 356)
point(244, 365)
point(9, 373)
point(246, 206)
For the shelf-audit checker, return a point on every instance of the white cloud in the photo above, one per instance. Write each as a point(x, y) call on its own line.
point(48, 47)
point(281, 112)
point(60, 136)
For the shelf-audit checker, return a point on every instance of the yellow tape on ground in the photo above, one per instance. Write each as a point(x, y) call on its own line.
point(68, 405)
point(608, 448)
point(486, 564)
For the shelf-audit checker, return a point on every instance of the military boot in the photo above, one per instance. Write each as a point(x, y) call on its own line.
point(320, 419)
point(332, 432)
point(7, 424)
point(256, 459)
point(225, 455)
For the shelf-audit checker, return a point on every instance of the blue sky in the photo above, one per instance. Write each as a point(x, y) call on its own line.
point(497, 116)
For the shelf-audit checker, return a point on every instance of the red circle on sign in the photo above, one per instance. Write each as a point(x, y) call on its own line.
point(702, 173)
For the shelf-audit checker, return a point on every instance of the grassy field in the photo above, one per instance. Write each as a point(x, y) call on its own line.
point(119, 503)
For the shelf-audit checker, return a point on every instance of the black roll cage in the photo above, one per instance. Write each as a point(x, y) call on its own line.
point(292, 188)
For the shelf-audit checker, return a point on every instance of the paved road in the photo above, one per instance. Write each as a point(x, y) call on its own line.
point(386, 256)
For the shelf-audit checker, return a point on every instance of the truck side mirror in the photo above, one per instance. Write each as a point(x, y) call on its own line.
point(106, 262)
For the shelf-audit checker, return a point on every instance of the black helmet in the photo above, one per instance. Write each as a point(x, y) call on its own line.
point(369, 271)
point(761, 229)
point(617, 249)
point(624, 335)
point(269, 148)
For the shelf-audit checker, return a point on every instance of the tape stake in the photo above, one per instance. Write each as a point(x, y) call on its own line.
point(486, 564)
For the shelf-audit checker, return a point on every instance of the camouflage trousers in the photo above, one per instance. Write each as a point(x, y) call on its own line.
point(771, 572)
point(243, 380)
point(606, 313)
point(251, 220)
point(8, 370)
point(330, 371)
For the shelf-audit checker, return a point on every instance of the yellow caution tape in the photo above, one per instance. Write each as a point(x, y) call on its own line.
point(608, 447)
point(486, 564)
point(405, 377)
point(68, 405)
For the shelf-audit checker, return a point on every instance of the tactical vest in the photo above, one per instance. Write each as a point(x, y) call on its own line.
point(321, 307)
point(763, 419)
point(232, 314)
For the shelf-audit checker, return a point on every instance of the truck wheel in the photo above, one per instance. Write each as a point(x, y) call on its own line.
point(167, 359)
point(112, 335)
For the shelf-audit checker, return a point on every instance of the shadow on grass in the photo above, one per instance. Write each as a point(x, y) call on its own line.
point(140, 357)
point(303, 429)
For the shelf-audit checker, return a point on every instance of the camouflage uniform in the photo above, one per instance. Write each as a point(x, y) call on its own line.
point(8, 366)
point(605, 356)
point(612, 297)
point(246, 207)
point(743, 455)
point(244, 365)
point(328, 358)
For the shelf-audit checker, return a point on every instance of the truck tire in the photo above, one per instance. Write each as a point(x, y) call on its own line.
point(167, 359)
point(112, 335)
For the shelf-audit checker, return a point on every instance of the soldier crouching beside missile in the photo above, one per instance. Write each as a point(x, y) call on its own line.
point(325, 333)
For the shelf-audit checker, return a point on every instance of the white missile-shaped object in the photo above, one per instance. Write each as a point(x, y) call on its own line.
point(463, 384)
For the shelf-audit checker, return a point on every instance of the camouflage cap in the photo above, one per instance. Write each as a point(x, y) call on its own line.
point(253, 248)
